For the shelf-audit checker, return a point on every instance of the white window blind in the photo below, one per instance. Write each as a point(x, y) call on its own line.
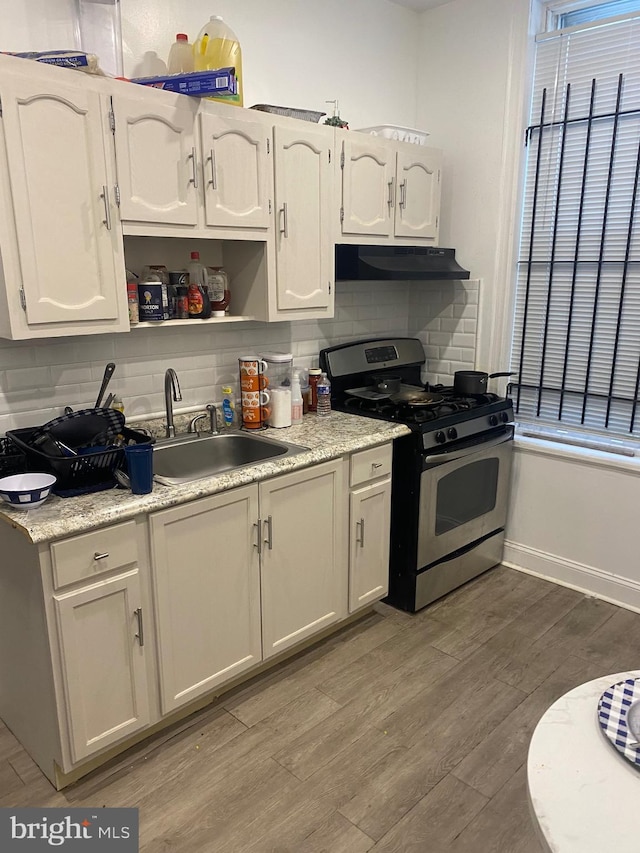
point(576, 345)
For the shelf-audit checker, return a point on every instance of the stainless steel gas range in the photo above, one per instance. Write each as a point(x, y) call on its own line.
point(450, 475)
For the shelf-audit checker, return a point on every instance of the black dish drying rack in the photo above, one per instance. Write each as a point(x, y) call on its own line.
point(87, 467)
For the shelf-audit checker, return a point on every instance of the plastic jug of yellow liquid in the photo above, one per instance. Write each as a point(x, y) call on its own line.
point(217, 46)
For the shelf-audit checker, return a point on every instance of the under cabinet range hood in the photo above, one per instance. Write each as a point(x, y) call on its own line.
point(397, 263)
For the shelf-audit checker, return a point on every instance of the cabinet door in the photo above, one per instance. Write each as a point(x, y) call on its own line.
point(370, 518)
point(304, 250)
point(303, 555)
point(65, 220)
point(418, 200)
point(236, 172)
point(158, 171)
point(101, 636)
point(368, 187)
point(207, 592)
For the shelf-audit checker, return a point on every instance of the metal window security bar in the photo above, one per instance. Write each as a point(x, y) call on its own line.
point(576, 345)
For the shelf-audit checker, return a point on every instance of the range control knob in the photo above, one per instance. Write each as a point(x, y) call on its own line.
point(452, 432)
point(493, 420)
point(440, 437)
point(505, 418)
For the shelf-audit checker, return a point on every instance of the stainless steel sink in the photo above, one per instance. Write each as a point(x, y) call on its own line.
point(194, 457)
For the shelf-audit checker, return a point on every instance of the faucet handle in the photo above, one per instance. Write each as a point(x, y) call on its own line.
point(193, 422)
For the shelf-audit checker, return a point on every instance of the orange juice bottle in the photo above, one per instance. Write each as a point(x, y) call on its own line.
point(218, 47)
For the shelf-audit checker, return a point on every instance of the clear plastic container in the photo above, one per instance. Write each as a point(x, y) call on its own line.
point(217, 46)
point(180, 56)
point(279, 381)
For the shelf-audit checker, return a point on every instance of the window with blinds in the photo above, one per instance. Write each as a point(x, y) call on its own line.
point(576, 346)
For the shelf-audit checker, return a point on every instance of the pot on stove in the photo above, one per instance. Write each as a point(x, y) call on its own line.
point(470, 383)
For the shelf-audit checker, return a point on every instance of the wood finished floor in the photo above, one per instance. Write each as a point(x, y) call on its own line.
point(401, 733)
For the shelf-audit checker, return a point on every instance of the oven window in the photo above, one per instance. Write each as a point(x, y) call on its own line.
point(466, 493)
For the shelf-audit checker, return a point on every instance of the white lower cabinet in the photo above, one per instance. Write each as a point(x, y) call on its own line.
point(120, 626)
point(206, 578)
point(304, 587)
point(101, 636)
point(216, 594)
point(370, 520)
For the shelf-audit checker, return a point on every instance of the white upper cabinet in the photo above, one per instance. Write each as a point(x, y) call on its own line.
point(390, 190)
point(236, 158)
point(368, 188)
point(59, 239)
point(304, 249)
point(157, 161)
point(418, 201)
point(170, 174)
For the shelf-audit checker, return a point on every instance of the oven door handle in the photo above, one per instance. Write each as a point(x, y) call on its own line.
point(483, 444)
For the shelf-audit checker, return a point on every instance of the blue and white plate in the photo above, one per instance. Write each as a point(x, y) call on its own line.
point(619, 717)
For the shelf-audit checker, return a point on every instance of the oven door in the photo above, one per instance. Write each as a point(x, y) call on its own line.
point(464, 490)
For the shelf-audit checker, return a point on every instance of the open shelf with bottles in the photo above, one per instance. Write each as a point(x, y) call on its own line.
point(245, 262)
point(196, 321)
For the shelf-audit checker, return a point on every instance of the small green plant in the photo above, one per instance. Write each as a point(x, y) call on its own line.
point(336, 121)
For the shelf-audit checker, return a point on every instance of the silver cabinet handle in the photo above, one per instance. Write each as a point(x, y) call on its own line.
point(376, 465)
point(391, 186)
point(269, 540)
point(194, 168)
point(360, 539)
point(285, 220)
point(212, 160)
point(104, 195)
point(98, 556)
point(403, 193)
point(258, 543)
point(140, 635)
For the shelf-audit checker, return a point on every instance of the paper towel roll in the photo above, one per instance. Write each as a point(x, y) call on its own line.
point(280, 407)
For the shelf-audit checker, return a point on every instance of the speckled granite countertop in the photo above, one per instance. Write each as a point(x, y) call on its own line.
point(327, 438)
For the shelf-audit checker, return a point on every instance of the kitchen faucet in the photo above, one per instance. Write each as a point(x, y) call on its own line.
point(171, 392)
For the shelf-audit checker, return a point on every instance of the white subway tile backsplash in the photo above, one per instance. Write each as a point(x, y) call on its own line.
point(450, 353)
point(38, 379)
point(28, 378)
point(459, 339)
point(70, 374)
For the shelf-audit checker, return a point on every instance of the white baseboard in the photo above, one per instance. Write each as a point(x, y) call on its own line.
point(618, 590)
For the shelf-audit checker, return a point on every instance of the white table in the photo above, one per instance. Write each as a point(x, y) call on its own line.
point(584, 795)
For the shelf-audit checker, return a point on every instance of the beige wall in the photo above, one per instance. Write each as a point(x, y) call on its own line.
point(299, 53)
point(472, 82)
point(572, 512)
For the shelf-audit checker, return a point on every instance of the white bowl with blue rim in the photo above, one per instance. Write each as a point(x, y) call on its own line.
point(26, 491)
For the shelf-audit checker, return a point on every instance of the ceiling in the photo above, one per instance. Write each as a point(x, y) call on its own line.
point(420, 5)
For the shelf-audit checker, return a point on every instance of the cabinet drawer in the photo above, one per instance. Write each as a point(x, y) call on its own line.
point(371, 464)
point(82, 558)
